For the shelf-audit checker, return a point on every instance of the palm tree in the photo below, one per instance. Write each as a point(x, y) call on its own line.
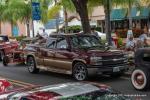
point(67, 6)
point(15, 10)
point(19, 10)
point(2, 7)
point(145, 3)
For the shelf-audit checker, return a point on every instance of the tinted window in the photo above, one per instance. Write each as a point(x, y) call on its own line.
point(51, 42)
point(62, 43)
point(85, 41)
point(4, 38)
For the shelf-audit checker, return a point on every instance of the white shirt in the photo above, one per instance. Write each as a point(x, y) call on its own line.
point(45, 35)
point(143, 37)
point(130, 44)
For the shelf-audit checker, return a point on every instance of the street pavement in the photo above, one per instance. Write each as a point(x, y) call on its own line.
point(19, 75)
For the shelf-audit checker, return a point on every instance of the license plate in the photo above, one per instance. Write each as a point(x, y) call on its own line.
point(116, 69)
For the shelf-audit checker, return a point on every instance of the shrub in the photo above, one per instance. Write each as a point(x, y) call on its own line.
point(98, 29)
point(74, 29)
point(123, 32)
point(120, 42)
point(18, 38)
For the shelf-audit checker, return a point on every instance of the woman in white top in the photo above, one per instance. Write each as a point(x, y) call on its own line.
point(143, 37)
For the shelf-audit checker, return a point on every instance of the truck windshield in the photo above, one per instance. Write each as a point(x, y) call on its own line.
point(4, 38)
point(86, 42)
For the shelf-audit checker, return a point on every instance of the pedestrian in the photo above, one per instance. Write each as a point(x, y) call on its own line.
point(93, 32)
point(143, 37)
point(44, 34)
point(130, 44)
point(38, 34)
point(61, 31)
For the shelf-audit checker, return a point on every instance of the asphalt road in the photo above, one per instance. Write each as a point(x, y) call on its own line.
point(20, 75)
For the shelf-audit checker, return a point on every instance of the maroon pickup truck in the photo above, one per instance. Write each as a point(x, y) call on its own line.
point(6, 46)
point(75, 54)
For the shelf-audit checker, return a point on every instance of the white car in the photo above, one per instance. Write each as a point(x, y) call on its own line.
point(100, 34)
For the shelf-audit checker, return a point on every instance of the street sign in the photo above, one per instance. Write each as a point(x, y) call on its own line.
point(36, 13)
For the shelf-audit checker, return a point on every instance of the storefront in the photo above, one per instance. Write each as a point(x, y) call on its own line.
point(120, 20)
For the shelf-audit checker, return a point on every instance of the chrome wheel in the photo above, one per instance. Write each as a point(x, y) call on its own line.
point(140, 79)
point(80, 71)
point(31, 65)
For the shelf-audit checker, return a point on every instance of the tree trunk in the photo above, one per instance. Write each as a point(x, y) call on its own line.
point(107, 22)
point(81, 8)
point(66, 20)
point(57, 23)
point(57, 19)
point(28, 28)
point(12, 25)
point(0, 27)
point(130, 17)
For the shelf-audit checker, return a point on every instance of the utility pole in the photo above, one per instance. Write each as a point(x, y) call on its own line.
point(32, 21)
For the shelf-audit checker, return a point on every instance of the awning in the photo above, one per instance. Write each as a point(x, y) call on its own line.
point(118, 14)
point(143, 12)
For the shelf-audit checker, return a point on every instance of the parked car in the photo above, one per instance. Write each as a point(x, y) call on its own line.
point(17, 55)
point(4, 85)
point(100, 34)
point(65, 91)
point(141, 75)
point(6, 46)
point(75, 54)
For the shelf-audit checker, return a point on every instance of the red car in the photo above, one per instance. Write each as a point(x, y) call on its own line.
point(66, 91)
point(17, 55)
point(4, 85)
point(6, 46)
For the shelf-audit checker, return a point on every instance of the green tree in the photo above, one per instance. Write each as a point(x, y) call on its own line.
point(16, 10)
point(21, 10)
point(2, 7)
point(66, 5)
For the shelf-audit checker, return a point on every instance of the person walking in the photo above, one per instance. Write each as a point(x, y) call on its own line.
point(94, 32)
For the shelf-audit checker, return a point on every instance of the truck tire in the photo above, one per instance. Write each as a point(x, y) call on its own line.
point(79, 71)
point(5, 61)
point(1, 55)
point(32, 65)
point(140, 78)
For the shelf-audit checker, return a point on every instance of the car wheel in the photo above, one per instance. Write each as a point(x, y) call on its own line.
point(32, 65)
point(80, 71)
point(1, 55)
point(140, 78)
point(5, 60)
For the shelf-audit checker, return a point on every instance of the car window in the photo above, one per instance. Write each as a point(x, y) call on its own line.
point(4, 38)
point(51, 42)
point(61, 43)
point(85, 41)
point(146, 57)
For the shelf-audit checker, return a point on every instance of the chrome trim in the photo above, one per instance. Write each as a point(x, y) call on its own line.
point(114, 59)
point(55, 70)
